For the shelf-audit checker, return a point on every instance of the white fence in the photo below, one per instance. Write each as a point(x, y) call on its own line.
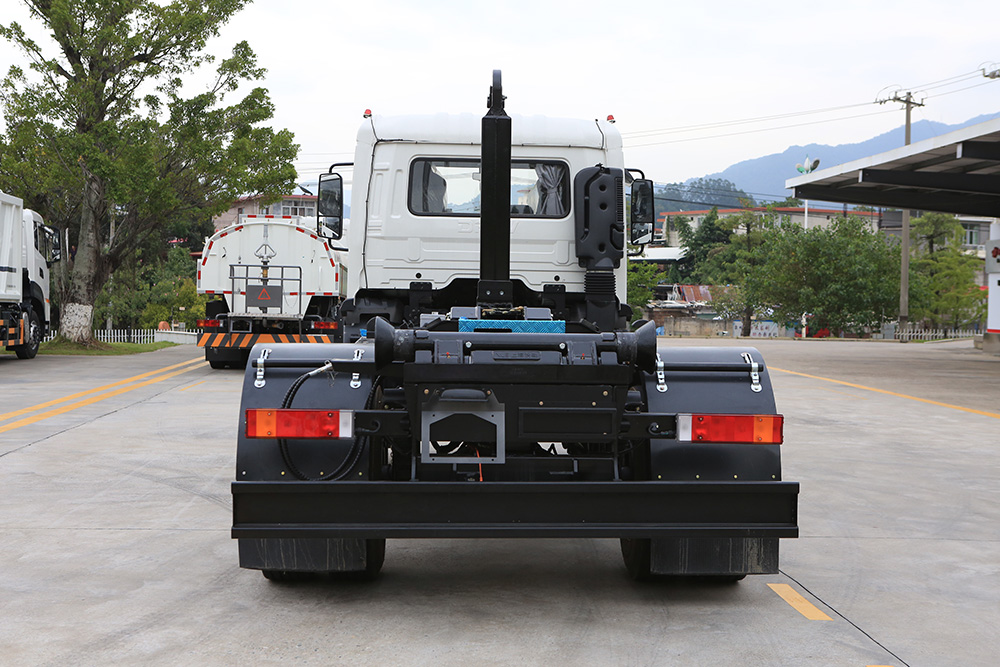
point(934, 334)
point(141, 336)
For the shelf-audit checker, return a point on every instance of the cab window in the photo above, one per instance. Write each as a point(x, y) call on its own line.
point(538, 189)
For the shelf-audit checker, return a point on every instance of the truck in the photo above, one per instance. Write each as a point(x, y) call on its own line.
point(273, 279)
point(492, 381)
point(28, 247)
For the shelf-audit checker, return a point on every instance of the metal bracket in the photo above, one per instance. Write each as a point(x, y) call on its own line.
point(264, 354)
point(661, 377)
point(754, 372)
point(356, 377)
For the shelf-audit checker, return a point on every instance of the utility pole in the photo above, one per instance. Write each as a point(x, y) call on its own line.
point(904, 278)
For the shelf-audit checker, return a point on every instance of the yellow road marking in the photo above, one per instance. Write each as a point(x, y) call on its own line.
point(890, 393)
point(57, 401)
point(193, 385)
point(93, 399)
point(799, 603)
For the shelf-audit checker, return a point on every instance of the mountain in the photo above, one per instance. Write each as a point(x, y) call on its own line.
point(767, 175)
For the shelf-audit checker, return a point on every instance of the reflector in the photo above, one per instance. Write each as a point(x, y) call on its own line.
point(755, 429)
point(300, 424)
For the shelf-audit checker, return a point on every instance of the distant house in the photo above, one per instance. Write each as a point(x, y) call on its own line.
point(890, 222)
point(666, 229)
point(300, 203)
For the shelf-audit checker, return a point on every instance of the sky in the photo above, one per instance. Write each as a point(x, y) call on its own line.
point(678, 77)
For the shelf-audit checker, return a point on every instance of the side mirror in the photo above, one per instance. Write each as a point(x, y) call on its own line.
point(53, 248)
point(642, 212)
point(330, 206)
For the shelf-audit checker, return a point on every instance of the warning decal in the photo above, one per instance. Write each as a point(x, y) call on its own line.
point(264, 296)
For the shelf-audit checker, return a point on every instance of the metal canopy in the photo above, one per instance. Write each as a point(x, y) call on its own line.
point(958, 172)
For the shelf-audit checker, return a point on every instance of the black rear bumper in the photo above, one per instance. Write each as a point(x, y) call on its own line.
point(514, 509)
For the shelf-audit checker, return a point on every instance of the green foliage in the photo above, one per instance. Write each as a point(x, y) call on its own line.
point(943, 289)
point(698, 194)
point(93, 154)
point(124, 296)
point(700, 244)
point(144, 294)
point(174, 297)
point(642, 278)
point(934, 231)
point(742, 262)
point(62, 346)
point(845, 275)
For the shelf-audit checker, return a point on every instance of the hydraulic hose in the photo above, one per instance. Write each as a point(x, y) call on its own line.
point(357, 446)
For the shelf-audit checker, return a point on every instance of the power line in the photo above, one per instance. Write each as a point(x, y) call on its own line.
point(688, 128)
point(950, 81)
point(766, 129)
point(984, 83)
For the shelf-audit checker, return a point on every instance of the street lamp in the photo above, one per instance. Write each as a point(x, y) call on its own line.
point(807, 167)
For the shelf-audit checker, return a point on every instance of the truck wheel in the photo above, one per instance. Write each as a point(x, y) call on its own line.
point(635, 553)
point(374, 558)
point(30, 347)
point(214, 359)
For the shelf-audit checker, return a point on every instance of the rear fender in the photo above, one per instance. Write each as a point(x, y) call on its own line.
point(260, 459)
point(699, 392)
point(721, 392)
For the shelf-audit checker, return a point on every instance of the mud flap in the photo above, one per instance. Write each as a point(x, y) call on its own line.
point(714, 555)
point(311, 554)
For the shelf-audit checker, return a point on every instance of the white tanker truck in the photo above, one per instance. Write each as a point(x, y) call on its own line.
point(275, 280)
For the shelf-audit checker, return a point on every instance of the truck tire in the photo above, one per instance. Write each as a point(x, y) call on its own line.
point(34, 338)
point(635, 554)
point(374, 558)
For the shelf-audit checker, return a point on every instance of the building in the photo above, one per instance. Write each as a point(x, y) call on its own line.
point(665, 230)
point(889, 221)
point(301, 203)
point(976, 229)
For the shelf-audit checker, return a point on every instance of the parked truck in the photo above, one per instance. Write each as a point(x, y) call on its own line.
point(27, 249)
point(274, 280)
point(492, 382)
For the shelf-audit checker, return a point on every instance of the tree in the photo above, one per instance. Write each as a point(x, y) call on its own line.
point(845, 275)
point(944, 290)
point(717, 192)
point(642, 278)
point(788, 202)
point(699, 243)
point(698, 193)
point(94, 154)
point(933, 231)
point(742, 262)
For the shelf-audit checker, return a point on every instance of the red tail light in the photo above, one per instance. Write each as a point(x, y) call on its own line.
point(208, 324)
point(755, 429)
point(294, 424)
point(324, 325)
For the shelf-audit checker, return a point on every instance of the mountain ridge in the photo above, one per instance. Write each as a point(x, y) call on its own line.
point(764, 177)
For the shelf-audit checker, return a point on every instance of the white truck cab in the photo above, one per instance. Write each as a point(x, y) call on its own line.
point(28, 247)
point(416, 232)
